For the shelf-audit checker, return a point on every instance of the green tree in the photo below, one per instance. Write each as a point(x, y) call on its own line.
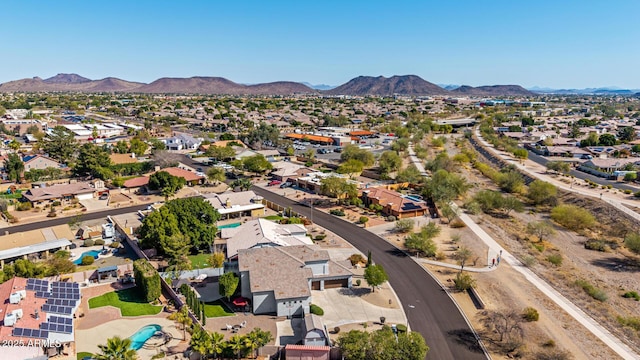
point(242, 183)
point(541, 192)
point(410, 174)
point(352, 151)
point(14, 145)
point(94, 161)
point(256, 164)
point(59, 263)
point(627, 134)
point(510, 181)
point(521, 154)
point(632, 242)
point(216, 175)
point(375, 276)
point(448, 211)
point(177, 248)
point(163, 180)
point(60, 144)
point(464, 281)
point(157, 144)
point(138, 146)
point(157, 227)
point(147, 280)
point(121, 147)
point(352, 167)
point(445, 186)
point(607, 140)
point(228, 284)
point(217, 259)
point(354, 345)
point(334, 186)
point(117, 349)
point(541, 229)
point(221, 153)
point(389, 162)
point(404, 225)
point(227, 136)
point(422, 241)
point(573, 217)
point(558, 166)
point(201, 341)
point(196, 219)
point(463, 254)
point(14, 167)
point(591, 140)
point(256, 339)
point(237, 344)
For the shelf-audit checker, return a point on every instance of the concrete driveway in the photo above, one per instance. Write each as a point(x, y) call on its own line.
point(344, 306)
point(94, 204)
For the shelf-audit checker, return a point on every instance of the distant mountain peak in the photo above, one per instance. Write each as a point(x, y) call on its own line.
point(67, 79)
point(411, 85)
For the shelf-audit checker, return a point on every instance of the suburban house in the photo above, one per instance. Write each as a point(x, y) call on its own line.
point(33, 318)
point(313, 181)
point(394, 203)
point(609, 165)
point(278, 280)
point(262, 233)
point(182, 141)
point(190, 177)
point(34, 244)
point(285, 171)
point(270, 155)
point(136, 184)
point(566, 151)
point(40, 162)
point(21, 126)
point(237, 204)
point(307, 352)
point(64, 193)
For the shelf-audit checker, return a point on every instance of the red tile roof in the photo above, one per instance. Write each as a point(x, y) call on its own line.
point(136, 182)
point(307, 347)
point(317, 138)
point(185, 174)
point(29, 305)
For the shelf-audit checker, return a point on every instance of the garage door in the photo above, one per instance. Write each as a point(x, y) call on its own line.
point(338, 283)
point(315, 285)
point(85, 196)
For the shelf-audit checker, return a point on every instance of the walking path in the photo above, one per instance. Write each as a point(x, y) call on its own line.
point(587, 321)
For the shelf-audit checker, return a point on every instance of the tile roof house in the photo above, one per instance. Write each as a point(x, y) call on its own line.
point(32, 319)
point(262, 233)
point(394, 203)
point(63, 192)
point(136, 182)
point(237, 204)
point(278, 280)
point(40, 162)
point(190, 177)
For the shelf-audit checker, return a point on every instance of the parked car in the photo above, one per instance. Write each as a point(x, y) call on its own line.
point(285, 185)
point(338, 150)
point(104, 197)
point(274, 182)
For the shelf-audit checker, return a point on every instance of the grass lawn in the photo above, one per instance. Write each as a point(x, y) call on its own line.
point(82, 355)
point(276, 218)
point(128, 301)
point(200, 261)
point(216, 309)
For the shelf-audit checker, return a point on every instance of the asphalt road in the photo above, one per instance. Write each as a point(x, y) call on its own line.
point(429, 309)
point(582, 175)
point(65, 220)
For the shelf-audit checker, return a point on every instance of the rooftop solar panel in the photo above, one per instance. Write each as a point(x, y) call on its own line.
point(17, 332)
point(68, 329)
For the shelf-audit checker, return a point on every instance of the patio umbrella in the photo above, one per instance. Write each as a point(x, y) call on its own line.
point(240, 301)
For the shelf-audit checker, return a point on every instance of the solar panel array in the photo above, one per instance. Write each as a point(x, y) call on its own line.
point(60, 320)
point(59, 328)
point(37, 285)
point(32, 333)
point(63, 302)
point(63, 310)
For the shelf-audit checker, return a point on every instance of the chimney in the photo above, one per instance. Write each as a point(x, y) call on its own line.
point(227, 203)
point(133, 155)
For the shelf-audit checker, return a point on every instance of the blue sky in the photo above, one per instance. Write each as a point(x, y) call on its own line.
point(558, 44)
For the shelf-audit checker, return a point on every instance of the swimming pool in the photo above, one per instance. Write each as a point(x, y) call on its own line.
point(141, 336)
point(93, 253)
point(229, 226)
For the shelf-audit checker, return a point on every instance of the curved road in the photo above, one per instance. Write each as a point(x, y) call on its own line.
point(429, 309)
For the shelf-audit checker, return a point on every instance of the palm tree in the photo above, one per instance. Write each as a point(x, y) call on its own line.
point(217, 343)
point(182, 318)
point(237, 344)
point(201, 342)
point(117, 349)
point(258, 338)
point(242, 183)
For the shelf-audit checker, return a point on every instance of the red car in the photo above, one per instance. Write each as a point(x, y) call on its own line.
point(274, 182)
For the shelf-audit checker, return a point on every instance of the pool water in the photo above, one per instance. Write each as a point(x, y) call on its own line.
point(229, 226)
point(141, 336)
point(93, 253)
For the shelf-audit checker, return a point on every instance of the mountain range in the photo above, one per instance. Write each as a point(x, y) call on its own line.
point(410, 85)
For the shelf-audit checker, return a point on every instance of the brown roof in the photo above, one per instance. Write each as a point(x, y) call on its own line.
point(318, 138)
point(395, 200)
point(185, 174)
point(58, 191)
point(123, 159)
point(32, 237)
point(136, 182)
point(361, 133)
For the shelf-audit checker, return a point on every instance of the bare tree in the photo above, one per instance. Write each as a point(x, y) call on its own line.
point(507, 325)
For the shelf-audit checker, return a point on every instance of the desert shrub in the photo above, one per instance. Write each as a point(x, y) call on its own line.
point(572, 217)
point(529, 261)
point(363, 220)
point(552, 354)
point(627, 191)
point(56, 203)
point(530, 314)
point(440, 256)
point(320, 237)
point(336, 330)
point(404, 225)
point(114, 245)
point(632, 322)
point(637, 194)
point(401, 327)
point(356, 259)
point(89, 242)
point(631, 295)
point(316, 310)
point(632, 242)
point(87, 260)
point(598, 245)
point(98, 242)
point(592, 291)
point(391, 218)
point(337, 212)
point(538, 246)
point(555, 259)
point(23, 206)
point(358, 282)
point(457, 223)
point(549, 343)
point(464, 281)
point(473, 207)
